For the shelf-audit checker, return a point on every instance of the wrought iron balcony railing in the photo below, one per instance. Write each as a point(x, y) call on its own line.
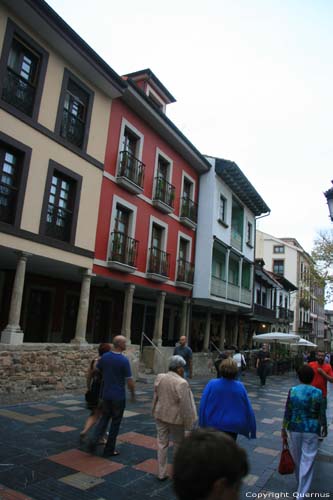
point(72, 128)
point(284, 313)
point(18, 92)
point(123, 249)
point(164, 191)
point(158, 262)
point(131, 168)
point(189, 209)
point(185, 271)
point(264, 312)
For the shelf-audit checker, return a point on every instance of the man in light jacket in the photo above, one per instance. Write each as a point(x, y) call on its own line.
point(173, 409)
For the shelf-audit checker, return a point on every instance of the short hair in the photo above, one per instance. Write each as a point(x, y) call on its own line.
point(204, 457)
point(306, 374)
point(103, 348)
point(228, 368)
point(176, 362)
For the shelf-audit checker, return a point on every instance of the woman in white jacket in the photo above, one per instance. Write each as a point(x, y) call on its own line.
point(240, 360)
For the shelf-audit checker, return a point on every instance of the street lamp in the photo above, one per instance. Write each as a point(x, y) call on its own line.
point(329, 197)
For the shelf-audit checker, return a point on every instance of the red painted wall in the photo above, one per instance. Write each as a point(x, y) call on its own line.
point(144, 210)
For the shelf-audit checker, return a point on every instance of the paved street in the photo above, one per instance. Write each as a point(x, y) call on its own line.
point(41, 458)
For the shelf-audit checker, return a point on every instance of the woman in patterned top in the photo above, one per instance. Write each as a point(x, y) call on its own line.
point(301, 419)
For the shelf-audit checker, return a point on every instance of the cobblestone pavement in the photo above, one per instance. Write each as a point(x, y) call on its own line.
point(41, 459)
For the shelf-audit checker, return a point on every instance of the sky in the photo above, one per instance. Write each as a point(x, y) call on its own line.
point(253, 84)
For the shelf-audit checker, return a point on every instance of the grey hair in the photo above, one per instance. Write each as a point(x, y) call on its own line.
point(176, 362)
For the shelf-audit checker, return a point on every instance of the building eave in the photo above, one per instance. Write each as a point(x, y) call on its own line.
point(232, 175)
point(137, 100)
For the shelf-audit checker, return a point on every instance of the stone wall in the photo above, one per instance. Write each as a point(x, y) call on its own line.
point(29, 371)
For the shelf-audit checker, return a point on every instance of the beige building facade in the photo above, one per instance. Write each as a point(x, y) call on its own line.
point(55, 101)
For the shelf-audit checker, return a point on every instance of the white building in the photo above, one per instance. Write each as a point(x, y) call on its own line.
point(224, 264)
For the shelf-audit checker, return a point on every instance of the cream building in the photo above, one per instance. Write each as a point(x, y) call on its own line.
point(286, 257)
point(55, 102)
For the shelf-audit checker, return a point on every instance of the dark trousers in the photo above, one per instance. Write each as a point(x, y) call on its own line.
point(263, 372)
point(113, 410)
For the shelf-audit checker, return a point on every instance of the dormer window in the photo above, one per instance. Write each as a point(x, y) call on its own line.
point(155, 101)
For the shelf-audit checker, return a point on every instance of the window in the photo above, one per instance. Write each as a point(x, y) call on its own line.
point(131, 170)
point(189, 208)
point(130, 142)
point(61, 203)
point(278, 249)
point(74, 112)
point(249, 233)
point(164, 191)
point(158, 259)
point(14, 161)
point(22, 70)
point(222, 209)
point(278, 267)
point(123, 247)
point(234, 272)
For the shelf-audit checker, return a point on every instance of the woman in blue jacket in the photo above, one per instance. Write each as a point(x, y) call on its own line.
point(225, 404)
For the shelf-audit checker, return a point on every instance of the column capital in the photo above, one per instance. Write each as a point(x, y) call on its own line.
point(23, 255)
point(130, 287)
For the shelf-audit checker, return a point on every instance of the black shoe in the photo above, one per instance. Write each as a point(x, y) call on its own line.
point(164, 478)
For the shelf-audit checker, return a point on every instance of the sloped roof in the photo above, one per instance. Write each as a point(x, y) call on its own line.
point(232, 175)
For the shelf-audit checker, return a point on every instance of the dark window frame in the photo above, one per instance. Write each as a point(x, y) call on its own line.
point(281, 264)
point(13, 30)
point(25, 153)
point(54, 166)
point(68, 75)
point(280, 247)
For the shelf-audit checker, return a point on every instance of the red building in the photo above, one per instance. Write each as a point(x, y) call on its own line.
point(146, 228)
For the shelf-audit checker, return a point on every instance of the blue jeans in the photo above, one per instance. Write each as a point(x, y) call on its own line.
point(113, 410)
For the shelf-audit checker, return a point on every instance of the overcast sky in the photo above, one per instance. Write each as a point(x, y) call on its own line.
point(253, 83)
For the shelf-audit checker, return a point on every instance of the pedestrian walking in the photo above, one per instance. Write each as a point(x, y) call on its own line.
point(93, 394)
point(263, 364)
point(323, 373)
point(241, 363)
point(301, 420)
point(225, 404)
point(116, 372)
point(173, 409)
point(209, 465)
point(183, 350)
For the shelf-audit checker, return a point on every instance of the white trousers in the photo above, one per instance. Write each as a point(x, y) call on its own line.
point(164, 431)
point(303, 448)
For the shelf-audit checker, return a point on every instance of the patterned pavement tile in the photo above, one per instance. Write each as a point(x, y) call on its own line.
point(75, 408)
point(8, 494)
point(128, 413)
point(250, 479)
point(267, 420)
point(84, 462)
point(266, 451)
point(151, 467)
point(45, 407)
point(70, 402)
point(20, 477)
point(63, 428)
point(260, 434)
point(139, 440)
point(81, 481)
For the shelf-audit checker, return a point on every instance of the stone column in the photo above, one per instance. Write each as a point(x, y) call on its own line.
point(13, 334)
point(207, 332)
point(183, 319)
point(157, 338)
point(222, 331)
point(236, 330)
point(127, 312)
point(82, 316)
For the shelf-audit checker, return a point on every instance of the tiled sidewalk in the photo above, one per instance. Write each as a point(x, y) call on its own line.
point(41, 459)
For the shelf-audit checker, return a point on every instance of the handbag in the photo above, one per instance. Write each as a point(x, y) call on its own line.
point(286, 464)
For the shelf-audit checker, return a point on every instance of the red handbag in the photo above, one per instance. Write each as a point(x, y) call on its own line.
point(286, 465)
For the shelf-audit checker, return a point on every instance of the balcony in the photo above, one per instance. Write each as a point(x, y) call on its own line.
point(164, 195)
point(188, 213)
point(220, 288)
point(72, 129)
point(236, 240)
point(123, 253)
point(130, 173)
point(185, 274)
point(158, 265)
point(305, 327)
point(18, 92)
point(264, 313)
point(284, 314)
